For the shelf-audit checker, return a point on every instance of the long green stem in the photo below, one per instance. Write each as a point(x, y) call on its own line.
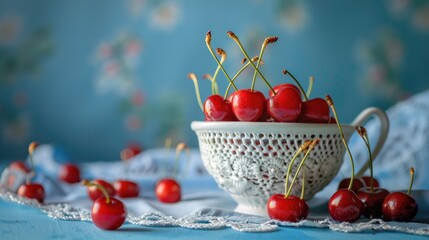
point(297, 83)
point(235, 77)
point(208, 40)
point(235, 38)
point(312, 145)
point(303, 183)
point(215, 88)
point(194, 79)
point(411, 180)
point(331, 103)
point(310, 86)
point(289, 169)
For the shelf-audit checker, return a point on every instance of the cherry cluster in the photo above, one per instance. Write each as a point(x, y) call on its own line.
point(354, 197)
point(285, 102)
point(108, 212)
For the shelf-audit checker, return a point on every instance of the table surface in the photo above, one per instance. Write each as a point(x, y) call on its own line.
point(25, 222)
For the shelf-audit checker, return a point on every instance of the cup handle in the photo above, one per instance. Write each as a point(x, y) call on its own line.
point(360, 119)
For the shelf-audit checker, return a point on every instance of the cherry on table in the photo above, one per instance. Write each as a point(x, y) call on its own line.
point(126, 188)
point(345, 206)
point(285, 106)
point(32, 191)
point(248, 105)
point(399, 206)
point(218, 109)
point(290, 208)
point(372, 200)
point(70, 173)
point(94, 193)
point(168, 190)
point(107, 212)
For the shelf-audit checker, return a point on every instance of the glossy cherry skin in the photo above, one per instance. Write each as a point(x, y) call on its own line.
point(290, 209)
point(20, 165)
point(94, 193)
point(367, 181)
point(372, 201)
point(126, 189)
point(248, 106)
point(399, 206)
point(218, 109)
point(357, 184)
point(70, 173)
point(285, 106)
point(315, 110)
point(32, 191)
point(108, 215)
point(345, 206)
point(168, 190)
point(284, 85)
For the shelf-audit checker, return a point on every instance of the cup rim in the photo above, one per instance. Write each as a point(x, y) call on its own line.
point(270, 127)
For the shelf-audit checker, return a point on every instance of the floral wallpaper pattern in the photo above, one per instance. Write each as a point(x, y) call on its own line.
point(92, 77)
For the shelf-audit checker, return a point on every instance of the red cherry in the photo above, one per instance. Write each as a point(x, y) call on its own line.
point(291, 209)
point(168, 190)
point(108, 214)
point(367, 181)
point(70, 173)
point(284, 85)
point(400, 207)
point(315, 110)
point(345, 206)
point(285, 106)
point(248, 106)
point(372, 201)
point(32, 191)
point(126, 189)
point(218, 109)
point(20, 165)
point(94, 193)
point(357, 184)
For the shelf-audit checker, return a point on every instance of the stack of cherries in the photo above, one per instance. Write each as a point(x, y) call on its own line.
point(284, 103)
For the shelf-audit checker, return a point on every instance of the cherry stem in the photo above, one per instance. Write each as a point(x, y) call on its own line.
point(310, 86)
point(331, 104)
point(310, 148)
point(31, 149)
point(208, 40)
point(194, 79)
point(237, 40)
point(99, 186)
point(303, 183)
point(363, 133)
point(411, 180)
point(225, 96)
point(267, 41)
point(215, 88)
point(289, 169)
point(285, 72)
point(180, 148)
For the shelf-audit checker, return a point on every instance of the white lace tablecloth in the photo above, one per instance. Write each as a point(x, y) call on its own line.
point(205, 206)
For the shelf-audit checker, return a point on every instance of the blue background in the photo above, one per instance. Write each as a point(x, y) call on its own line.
point(93, 76)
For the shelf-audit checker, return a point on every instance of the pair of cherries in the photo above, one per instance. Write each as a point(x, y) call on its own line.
point(283, 105)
